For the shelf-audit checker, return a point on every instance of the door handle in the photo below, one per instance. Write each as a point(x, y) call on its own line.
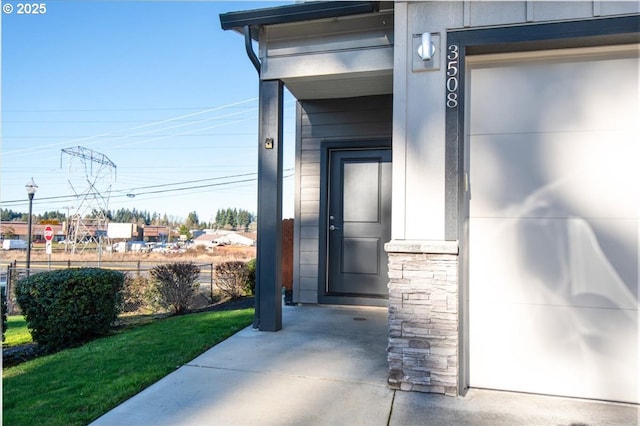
point(333, 228)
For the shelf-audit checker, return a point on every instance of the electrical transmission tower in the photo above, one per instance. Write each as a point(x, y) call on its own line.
point(90, 175)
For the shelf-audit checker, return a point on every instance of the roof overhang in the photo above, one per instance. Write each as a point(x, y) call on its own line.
point(295, 13)
point(326, 49)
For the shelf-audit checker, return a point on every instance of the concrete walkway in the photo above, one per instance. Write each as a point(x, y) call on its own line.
point(328, 367)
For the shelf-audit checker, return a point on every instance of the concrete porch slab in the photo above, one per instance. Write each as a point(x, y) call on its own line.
point(327, 366)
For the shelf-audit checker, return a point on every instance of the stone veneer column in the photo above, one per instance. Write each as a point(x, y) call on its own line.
point(423, 316)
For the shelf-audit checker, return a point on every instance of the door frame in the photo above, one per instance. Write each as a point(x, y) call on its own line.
point(326, 148)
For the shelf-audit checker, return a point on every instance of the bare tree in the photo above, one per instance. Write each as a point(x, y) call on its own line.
point(177, 284)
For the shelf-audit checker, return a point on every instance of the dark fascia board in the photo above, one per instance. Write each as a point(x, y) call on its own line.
point(624, 29)
point(295, 13)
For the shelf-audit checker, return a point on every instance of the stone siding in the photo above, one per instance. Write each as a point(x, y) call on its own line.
point(423, 317)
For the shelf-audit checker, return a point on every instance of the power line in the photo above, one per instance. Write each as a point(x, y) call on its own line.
point(185, 134)
point(111, 135)
point(232, 186)
point(194, 181)
point(67, 198)
point(113, 109)
point(155, 138)
point(57, 144)
point(151, 139)
point(124, 194)
point(77, 121)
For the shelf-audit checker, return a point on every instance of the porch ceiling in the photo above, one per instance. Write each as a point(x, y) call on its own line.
point(341, 86)
point(331, 58)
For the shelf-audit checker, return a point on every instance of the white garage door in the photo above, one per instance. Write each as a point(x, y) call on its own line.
point(553, 230)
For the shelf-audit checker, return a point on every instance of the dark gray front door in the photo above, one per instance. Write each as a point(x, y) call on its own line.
point(358, 222)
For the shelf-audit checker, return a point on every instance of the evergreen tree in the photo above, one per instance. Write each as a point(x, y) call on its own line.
point(192, 220)
point(233, 218)
point(244, 218)
point(227, 216)
point(10, 215)
point(220, 217)
point(184, 230)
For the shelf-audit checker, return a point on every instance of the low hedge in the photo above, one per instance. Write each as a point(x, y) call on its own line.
point(68, 307)
point(233, 278)
point(251, 276)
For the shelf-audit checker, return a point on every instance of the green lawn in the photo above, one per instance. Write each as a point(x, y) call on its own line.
point(76, 386)
point(17, 332)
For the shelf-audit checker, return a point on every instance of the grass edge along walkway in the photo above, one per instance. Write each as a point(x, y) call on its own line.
point(76, 386)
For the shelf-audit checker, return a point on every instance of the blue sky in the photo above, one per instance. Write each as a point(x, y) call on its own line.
point(155, 86)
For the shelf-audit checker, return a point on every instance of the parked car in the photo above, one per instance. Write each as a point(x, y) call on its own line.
point(14, 245)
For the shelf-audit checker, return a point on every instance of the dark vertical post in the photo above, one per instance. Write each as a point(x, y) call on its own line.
point(268, 315)
point(211, 282)
point(29, 225)
point(9, 287)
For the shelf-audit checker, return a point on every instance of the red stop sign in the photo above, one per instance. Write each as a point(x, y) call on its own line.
point(48, 233)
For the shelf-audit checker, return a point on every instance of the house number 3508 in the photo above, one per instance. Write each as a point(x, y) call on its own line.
point(453, 54)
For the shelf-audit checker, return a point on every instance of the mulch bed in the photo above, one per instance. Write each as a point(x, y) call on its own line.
point(229, 305)
point(15, 355)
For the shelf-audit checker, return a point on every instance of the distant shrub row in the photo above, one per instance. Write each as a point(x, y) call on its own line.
point(68, 307)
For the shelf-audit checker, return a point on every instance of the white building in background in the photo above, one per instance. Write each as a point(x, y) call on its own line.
point(224, 238)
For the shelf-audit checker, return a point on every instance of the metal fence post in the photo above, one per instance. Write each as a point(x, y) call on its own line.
point(211, 281)
point(7, 289)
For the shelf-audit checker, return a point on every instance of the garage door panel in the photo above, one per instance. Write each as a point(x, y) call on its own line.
point(555, 262)
point(553, 223)
point(504, 268)
point(550, 96)
point(558, 356)
point(618, 241)
point(555, 175)
point(508, 176)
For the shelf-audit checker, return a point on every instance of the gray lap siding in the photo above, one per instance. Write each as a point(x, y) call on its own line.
point(317, 121)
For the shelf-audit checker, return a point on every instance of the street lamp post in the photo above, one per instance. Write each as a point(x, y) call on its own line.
point(31, 188)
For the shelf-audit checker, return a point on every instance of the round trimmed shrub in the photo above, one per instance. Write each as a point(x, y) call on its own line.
point(68, 307)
